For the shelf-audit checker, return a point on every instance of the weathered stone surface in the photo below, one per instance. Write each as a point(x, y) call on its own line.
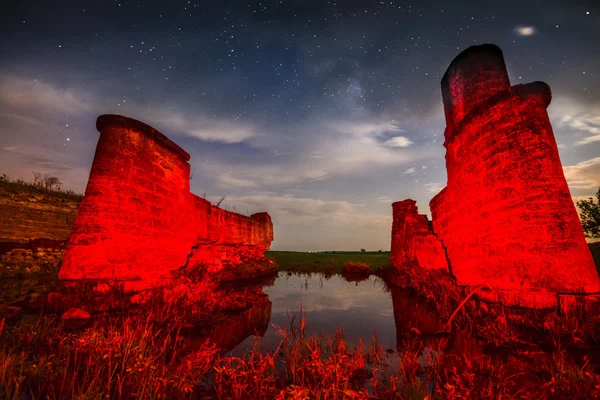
point(539, 299)
point(506, 217)
point(412, 241)
point(40, 256)
point(25, 215)
point(138, 220)
point(569, 304)
point(76, 318)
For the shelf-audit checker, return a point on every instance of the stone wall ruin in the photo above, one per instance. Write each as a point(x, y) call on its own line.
point(505, 219)
point(138, 220)
point(412, 241)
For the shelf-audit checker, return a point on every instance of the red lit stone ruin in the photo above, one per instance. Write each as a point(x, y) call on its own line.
point(412, 241)
point(138, 220)
point(505, 218)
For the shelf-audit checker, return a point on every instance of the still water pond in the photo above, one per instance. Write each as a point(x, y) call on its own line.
point(327, 303)
point(360, 308)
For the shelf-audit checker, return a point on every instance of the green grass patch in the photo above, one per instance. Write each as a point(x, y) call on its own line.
point(330, 262)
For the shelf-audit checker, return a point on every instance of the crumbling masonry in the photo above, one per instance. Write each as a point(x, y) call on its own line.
point(505, 219)
point(138, 220)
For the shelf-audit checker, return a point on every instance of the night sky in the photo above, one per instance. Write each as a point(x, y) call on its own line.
point(320, 112)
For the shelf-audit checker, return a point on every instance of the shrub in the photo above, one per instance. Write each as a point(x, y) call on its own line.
point(356, 271)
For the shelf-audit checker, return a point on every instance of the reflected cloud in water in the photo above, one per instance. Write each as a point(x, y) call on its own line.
point(328, 302)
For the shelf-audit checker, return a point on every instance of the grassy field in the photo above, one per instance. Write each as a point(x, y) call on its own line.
point(331, 262)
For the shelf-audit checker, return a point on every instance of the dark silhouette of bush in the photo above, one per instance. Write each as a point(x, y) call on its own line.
point(590, 216)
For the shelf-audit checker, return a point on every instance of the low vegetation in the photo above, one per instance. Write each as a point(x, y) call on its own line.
point(356, 271)
point(141, 356)
point(39, 184)
point(331, 262)
point(477, 350)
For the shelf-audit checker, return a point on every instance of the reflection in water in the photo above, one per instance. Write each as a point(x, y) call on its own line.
point(328, 302)
point(235, 327)
point(413, 316)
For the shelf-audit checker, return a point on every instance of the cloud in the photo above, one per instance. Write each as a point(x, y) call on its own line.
point(361, 146)
point(228, 181)
point(353, 147)
point(576, 121)
point(35, 160)
point(398, 141)
point(385, 199)
point(288, 205)
point(21, 98)
point(317, 224)
point(434, 187)
point(356, 157)
point(43, 97)
point(358, 146)
point(265, 175)
point(586, 122)
point(365, 128)
point(584, 175)
point(207, 129)
point(410, 171)
point(523, 30)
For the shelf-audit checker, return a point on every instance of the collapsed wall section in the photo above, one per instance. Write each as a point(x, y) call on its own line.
point(138, 219)
point(226, 238)
point(412, 241)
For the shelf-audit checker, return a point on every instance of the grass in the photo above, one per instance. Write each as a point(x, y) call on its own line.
point(481, 351)
point(117, 358)
point(136, 356)
point(19, 186)
point(328, 263)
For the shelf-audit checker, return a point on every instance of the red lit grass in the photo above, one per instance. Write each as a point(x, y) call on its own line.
point(356, 271)
point(125, 358)
point(495, 324)
point(134, 357)
point(485, 352)
point(143, 354)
